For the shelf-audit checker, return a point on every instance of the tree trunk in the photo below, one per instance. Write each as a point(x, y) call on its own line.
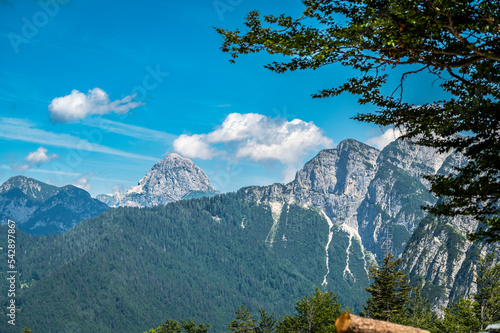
point(349, 323)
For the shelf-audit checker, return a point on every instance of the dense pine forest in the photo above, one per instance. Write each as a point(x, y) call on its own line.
point(391, 299)
point(131, 269)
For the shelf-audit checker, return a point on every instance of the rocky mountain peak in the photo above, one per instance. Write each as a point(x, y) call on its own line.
point(33, 189)
point(340, 170)
point(171, 179)
point(173, 160)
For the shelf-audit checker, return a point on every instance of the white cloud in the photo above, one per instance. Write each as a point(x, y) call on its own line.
point(22, 130)
point(194, 146)
point(287, 142)
point(237, 127)
point(39, 157)
point(78, 105)
point(258, 138)
point(385, 138)
point(82, 183)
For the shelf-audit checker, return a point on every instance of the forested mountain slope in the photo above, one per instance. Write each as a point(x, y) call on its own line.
point(199, 259)
point(132, 268)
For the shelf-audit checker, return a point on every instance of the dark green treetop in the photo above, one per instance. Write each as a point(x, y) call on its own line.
point(460, 318)
point(314, 315)
point(418, 313)
point(389, 289)
point(244, 322)
point(458, 42)
point(172, 326)
point(487, 297)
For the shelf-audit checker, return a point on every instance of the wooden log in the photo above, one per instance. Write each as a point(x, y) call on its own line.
point(349, 323)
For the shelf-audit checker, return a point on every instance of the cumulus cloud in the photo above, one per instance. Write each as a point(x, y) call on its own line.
point(385, 138)
point(258, 138)
point(238, 127)
point(40, 156)
point(37, 157)
point(194, 146)
point(78, 105)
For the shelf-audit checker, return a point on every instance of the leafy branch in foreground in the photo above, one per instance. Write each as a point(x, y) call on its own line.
point(458, 42)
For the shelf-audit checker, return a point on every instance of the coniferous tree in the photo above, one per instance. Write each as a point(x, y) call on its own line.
point(267, 323)
point(172, 326)
point(244, 322)
point(460, 318)
point(418, 312)
point(487, 297)
point(389, 289)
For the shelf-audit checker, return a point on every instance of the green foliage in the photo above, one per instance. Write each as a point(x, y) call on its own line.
point(267, 323)
point(487, 297)
point(130, 267)
point(172, 326)
point(455, 41)
point(418, 313)
point(244, 322)
point(314, 315)
point(460, 318)
point(389, 289)
point(26, 330)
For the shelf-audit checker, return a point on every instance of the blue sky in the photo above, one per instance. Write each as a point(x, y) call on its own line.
point(93, 93)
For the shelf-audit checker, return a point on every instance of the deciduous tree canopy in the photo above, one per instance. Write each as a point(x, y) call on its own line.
point(458, 42)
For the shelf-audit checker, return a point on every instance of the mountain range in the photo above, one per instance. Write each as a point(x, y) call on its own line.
point(264, 246)
point(41, 209)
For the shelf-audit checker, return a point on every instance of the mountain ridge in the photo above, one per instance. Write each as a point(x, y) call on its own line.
point(323, 229)
point(376, 197)
point(39, 208)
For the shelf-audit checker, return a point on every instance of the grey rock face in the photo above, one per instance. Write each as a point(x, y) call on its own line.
point(374, 193)
point(440, 257)
point(172, 179)
point(376, 197)
point(335, 182)
point(392, 205)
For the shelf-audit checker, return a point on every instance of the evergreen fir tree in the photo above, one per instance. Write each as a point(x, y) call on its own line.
point(244, 322)
point(267, 322)
point(487, 297)
point(418, 313)
point(172, 326)
point(389, 289)
point(460, 318)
